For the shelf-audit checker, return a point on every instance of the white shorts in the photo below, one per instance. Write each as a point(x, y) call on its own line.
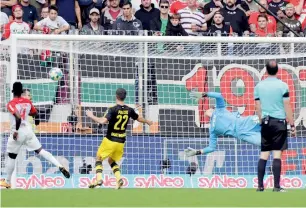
point(25, 137)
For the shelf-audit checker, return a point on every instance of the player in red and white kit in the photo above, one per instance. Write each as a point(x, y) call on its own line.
point(22, 134)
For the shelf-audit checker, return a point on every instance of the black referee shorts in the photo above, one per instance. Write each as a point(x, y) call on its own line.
point(274, 134)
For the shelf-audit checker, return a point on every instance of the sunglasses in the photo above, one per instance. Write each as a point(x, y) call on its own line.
point(164, 7)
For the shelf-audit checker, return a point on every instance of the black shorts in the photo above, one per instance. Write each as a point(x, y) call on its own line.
point(274, 134)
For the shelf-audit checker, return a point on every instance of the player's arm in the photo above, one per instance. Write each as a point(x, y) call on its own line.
point(220, 103)
point(145, 121)
point(257, 104)
point(12, 109)
point(288, 109)
point(101, 120)
point(211, 147)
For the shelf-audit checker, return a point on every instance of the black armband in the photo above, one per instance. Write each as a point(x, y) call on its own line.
point(204, 94)
point(292, 126)
point(198, 152)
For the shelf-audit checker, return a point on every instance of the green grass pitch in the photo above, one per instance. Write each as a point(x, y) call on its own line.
point(152, 198)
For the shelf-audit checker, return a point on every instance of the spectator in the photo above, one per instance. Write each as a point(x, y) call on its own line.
point(17, 26)
point(301, 12)
point(177, 5)
point(3, 21)
point(70, 11)
point(44, 13)
point(253, 20)
point(290, 21)
point(192, 20)
point(86, 6)
point(262, 30)
point(53, 24)
point(218, 27)
point(211, 8)
point(146, 13)
point(6, 7)
point(160, 24)
point(235, 17)
point(93, 27)
point(110, 14)
point(249, 6)
point(275, 4)
point(127, 22)
point(29, 13)
point(280, 14)
point(174, 28)
point(137, 4)
point(38, 4)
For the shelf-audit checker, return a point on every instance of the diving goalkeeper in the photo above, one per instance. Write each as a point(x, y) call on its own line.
point(226, 123)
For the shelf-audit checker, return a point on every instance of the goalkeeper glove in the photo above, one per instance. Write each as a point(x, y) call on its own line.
point(197, 95)
point(192, 152)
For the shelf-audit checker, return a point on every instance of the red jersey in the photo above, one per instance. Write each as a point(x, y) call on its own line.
point(271, 22)
point(263, 33)
point(302, 17)
point(15, 27)
point(23, 107)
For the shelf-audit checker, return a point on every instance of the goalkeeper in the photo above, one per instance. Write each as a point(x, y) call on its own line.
point(226, 123)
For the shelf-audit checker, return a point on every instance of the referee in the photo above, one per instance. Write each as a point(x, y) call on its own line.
point(273, 108)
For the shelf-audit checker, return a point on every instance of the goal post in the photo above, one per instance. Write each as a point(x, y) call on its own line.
point(158, 73)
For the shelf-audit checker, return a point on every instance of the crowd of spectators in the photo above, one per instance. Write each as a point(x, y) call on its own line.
point(175, 18)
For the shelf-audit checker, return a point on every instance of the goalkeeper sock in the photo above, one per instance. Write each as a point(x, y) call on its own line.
point(276, 168)
point(116, 171)
point(99, 170)
point(261, 172)
point(10, 166)
point(48, 156)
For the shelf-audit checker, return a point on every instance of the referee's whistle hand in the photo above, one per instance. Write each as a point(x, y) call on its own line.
point(293, 132)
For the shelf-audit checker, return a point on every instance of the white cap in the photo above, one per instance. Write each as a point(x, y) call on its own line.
point(94, 10)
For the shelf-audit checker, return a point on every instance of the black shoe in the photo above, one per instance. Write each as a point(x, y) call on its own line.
point(64, 172)
point(279, 190)
point(95, 184)
point(260, 189)
point(119, 184)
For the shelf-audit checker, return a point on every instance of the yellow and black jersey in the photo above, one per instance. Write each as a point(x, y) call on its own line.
point(118, 117)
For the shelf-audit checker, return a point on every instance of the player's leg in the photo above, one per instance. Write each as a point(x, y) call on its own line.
point(114, 158)
point(48, 156)
point(104, 151)
point(33, 144)
point(13, 147)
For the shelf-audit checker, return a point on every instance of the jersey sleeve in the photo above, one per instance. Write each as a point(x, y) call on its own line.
point(33, 109)
point(212, 143)
point(7, 31)
point(11, 107)
point(285, 91)
point(109, 114)
point(219, 99)
point(133, 114)
point(256, 94)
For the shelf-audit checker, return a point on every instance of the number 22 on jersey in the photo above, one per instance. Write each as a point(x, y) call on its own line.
point(122, 120)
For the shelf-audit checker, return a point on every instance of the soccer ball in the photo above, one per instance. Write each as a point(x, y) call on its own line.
point(56, 74)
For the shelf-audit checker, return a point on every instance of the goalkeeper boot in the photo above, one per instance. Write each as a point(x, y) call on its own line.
point(279, 190)
point(4, 184)
point(64, 172)
point(119, 184)
point(95, 184)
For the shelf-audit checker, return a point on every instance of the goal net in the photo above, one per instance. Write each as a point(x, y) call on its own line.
point(158, 74)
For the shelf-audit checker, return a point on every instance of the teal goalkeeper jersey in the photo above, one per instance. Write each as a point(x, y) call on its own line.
point(226, 123)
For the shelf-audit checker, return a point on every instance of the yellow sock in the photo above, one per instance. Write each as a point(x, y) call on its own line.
point(99, 170)
point(116, 171)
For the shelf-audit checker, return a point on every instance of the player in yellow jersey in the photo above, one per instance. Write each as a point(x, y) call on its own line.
point(112, 144)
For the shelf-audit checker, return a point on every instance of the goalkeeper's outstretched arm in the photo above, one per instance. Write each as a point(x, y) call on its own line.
point(220, 103)
point(211, 147)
